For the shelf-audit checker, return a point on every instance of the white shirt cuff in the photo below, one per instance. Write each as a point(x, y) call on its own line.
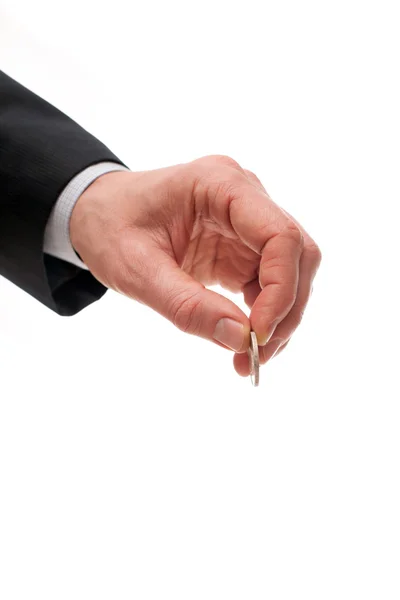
point(56, 237)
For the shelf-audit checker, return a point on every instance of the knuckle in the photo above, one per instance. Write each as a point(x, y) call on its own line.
point(253, 177)
point(221, 174)
point(225, 160)
point(315, 252)
point(186, 312)
point(294, 232)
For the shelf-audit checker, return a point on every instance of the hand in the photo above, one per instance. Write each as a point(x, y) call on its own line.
point(160, 237)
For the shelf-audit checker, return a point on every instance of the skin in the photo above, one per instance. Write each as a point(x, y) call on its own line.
point(162, 236)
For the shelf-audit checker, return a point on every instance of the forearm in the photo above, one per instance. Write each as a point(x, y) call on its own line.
point(41, 151)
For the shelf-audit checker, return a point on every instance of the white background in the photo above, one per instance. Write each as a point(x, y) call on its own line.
point(134, 461)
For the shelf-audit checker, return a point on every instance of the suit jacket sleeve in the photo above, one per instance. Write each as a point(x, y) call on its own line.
point(41, 150)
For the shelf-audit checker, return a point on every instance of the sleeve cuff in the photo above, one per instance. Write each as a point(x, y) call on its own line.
point(56, 238)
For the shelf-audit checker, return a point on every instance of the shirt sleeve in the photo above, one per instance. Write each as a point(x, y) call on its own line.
point(57, 240)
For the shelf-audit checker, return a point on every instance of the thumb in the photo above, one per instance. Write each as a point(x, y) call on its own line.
point(160, 283)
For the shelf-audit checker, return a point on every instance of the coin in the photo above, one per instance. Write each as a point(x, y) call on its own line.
point(252, 353)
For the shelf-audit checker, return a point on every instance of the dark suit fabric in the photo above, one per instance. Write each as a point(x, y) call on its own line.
point(41, 150)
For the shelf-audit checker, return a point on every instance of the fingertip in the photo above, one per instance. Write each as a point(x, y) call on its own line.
point(241, 365)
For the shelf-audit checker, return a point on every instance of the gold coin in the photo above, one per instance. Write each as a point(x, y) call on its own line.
point(252, 353)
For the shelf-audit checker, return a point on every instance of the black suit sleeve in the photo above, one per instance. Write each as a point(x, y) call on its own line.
point(41, 150)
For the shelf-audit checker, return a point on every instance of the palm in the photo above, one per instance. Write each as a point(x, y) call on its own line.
point(213, 256)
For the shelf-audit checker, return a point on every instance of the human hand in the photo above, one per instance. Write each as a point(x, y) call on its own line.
point(161, 236)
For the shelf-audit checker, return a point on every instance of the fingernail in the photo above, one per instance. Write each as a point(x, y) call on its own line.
point(230, 333)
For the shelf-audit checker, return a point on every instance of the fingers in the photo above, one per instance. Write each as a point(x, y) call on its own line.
point(282, 347)
point(279, 280)
point(267, 352)
point(250, 292)
point(309, 263)
point(267, 230)
point(270, 350)
point(254, 180)
point(153, 277)
point(308, 266)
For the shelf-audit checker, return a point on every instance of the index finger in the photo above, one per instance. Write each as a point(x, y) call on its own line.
point(264, 227)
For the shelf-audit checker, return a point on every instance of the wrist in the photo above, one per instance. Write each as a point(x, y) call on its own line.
point(103, 188)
